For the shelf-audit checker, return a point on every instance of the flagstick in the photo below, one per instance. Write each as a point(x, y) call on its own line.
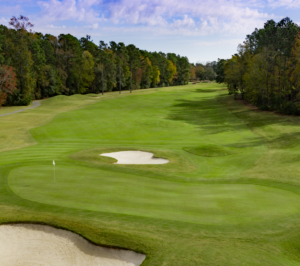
point(54, 170)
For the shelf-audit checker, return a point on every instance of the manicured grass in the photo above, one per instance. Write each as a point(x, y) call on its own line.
point(211, 150)
point(105, 191)
point(229, 196)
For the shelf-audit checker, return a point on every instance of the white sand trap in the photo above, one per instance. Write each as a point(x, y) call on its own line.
point(40, 245)
point(135, 157)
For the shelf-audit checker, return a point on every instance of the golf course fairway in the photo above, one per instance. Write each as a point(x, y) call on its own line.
point(229, 195)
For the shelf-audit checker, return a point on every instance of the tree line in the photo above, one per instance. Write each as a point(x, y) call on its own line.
point(265, 71)
point(204, 71)
point(37, 66)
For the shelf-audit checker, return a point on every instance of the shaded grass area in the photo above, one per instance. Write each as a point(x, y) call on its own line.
point(281, 133)
point(197, 210)
point(211, 150)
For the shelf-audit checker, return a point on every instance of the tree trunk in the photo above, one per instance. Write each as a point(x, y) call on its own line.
point(21, 79)
point(102, 82)
point(120, 76)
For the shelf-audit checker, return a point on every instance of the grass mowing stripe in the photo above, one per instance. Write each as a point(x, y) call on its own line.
point(198, 203)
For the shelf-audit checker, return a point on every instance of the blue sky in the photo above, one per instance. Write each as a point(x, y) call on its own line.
point(199, 29)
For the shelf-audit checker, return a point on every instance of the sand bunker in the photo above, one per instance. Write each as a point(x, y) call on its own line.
point(135, 157)
point(32, 245)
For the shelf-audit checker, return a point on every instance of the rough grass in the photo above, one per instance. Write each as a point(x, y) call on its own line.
point(238, 209)
point(15, 128)
point(8, 109)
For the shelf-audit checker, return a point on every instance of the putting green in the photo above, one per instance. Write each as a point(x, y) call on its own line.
point(97, 190)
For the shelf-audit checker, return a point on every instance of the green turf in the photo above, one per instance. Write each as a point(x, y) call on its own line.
point(211, 150)
point(136, 195)
point(8, 109)
point(230, 194)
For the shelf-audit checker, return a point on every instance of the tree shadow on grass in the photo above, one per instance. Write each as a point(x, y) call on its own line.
point(285, 141)
point(209, 90)
point(282, 131)
point(221, 115)
point(255, 117)
point(210, 117)
point(207, 114)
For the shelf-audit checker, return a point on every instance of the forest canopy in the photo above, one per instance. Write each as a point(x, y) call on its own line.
point(204, 71)
point(266, 69)
point(36, 66)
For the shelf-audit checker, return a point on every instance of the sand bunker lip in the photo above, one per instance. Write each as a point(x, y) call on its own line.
point(32, 244)
point(135, 157)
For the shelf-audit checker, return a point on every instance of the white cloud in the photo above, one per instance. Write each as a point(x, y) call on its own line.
point(190, 17)
point(284, 3)
point(185, 22)
point(219, 42)
point(3, 21)
point(155, 17)
point(82, 10)
point(92, 27)
point(51, 26)
point(139, 11)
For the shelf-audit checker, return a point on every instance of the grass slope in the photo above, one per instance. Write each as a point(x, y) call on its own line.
point(211, 150)
point(229, 196)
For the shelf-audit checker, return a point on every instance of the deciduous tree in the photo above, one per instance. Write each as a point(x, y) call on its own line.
point(8, 83)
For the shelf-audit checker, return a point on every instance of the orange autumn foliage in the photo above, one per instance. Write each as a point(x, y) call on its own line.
point(8, 82)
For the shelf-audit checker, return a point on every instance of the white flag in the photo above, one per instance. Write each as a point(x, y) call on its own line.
point(53, 162)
